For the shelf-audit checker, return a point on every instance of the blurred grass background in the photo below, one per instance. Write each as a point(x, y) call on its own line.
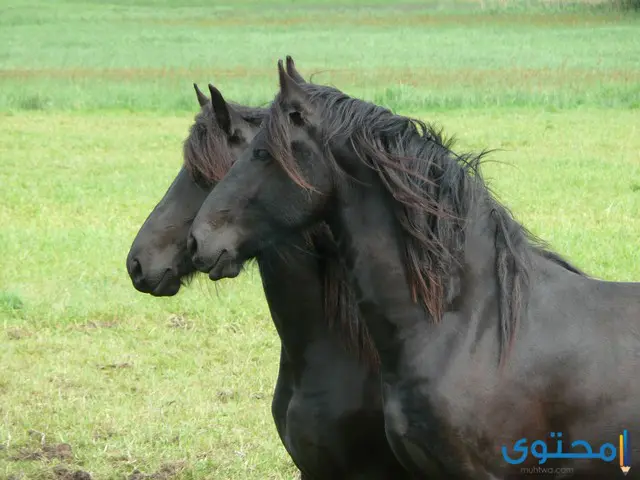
point(75, 55)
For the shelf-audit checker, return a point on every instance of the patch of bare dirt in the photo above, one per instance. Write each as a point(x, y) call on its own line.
point(50, 452)
point(17, 333)
point(165, 472)
point(60, 451)
point(178, 321)
point(63, 473)
point(115, 366)
point(225, 396)
point(91, 325)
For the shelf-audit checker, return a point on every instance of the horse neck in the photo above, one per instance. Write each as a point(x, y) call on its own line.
point(371, 244)
point(363, 226)
point(294, 290)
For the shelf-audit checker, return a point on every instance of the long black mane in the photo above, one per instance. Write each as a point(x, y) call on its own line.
point(207, 157)
point(433, 191)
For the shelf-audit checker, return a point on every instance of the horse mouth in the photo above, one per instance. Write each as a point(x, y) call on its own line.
point(225, 266)
point(169, 285)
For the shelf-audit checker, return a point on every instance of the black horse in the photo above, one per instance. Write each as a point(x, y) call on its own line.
point(327, 404)
point(484, 336)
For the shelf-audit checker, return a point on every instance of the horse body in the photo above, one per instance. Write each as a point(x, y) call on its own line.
point(448, 406)
point(326, 403)
point(484, 337)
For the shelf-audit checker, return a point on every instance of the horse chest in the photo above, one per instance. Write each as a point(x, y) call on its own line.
point(436, 435)
point(440, 410)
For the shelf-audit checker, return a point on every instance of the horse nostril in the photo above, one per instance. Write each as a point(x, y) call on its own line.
point(136, 270)
point(192, 245)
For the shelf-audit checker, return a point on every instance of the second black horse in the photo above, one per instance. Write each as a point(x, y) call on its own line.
point(326, 404)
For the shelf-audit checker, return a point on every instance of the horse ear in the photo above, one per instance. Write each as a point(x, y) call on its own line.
point(202, 98)
point(293, 73)
point(292, 95)
point(220, 109)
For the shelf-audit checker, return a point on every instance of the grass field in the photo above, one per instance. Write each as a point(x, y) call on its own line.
point(95, 100)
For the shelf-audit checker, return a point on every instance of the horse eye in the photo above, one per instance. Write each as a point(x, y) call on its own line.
point(296, 118)
point(235, 138)
point(261, 154)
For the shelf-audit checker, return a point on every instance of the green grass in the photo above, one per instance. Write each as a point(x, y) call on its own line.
point(76, 55)
point(131, 381)
point(95, 100)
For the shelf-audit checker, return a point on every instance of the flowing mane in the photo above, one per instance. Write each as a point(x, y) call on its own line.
point(207, 157)
point(432, 190)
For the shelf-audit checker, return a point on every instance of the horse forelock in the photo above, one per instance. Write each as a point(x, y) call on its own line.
point(206, 149)
point(206, 152)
